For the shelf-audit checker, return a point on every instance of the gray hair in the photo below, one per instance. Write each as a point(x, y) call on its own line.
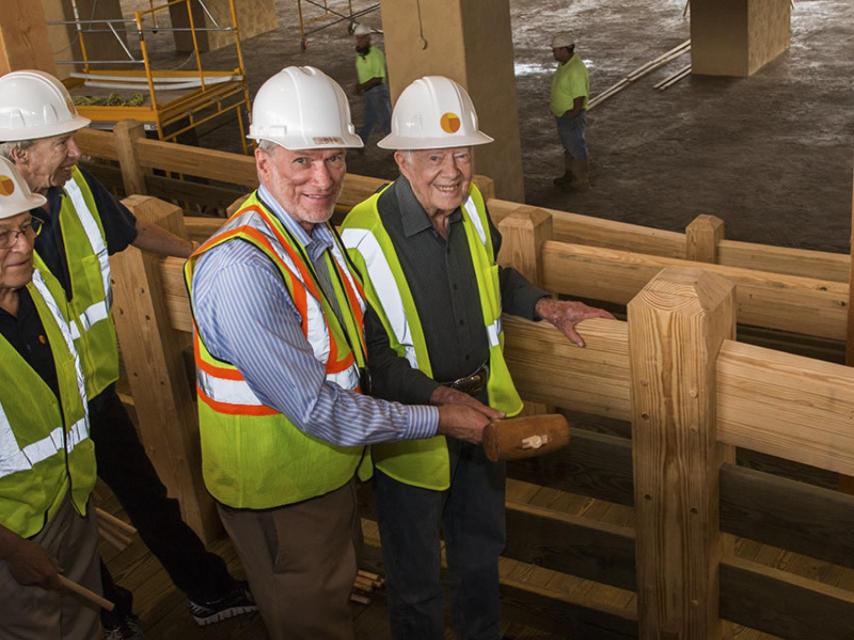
point(267, 145)
point(8, 148)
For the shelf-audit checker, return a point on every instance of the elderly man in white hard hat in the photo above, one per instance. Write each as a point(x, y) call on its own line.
point(426, 248)
point(82, 224)
point(371, 83)
point(281, 367)
point(47, 460)
point(569, 93)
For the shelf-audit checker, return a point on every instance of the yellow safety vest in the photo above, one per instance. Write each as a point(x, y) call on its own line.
point(253, 456)
point(45, 447)
point(89, 271)
point(424, 463)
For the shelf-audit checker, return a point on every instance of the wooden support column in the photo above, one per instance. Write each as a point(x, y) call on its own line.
point(677, 324)
point(737, 37)
point(523, 234)
point(846, 483)
point(703, 236)
point(152, 351)
point(127, 133)
point(253, 18)
point(24, 41)
point(469, 42)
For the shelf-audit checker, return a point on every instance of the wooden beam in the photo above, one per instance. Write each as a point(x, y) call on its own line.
point(152, 354)
point(576, 545)
point(539, 357)
point(850, 332)
point(127, 135)
point(24, 41)
point(786, 405)
point(797, 262)
point(777, 301)
point(784, 604)
point(784, 513)
point(676, 327)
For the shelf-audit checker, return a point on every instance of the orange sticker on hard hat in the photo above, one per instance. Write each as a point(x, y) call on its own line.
point(450, 122)
point(7, 186)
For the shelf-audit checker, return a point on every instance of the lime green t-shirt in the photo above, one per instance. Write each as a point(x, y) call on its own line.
point(371, 65)
point(569, 82)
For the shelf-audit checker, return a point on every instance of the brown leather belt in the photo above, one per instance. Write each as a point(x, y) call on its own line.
point(473, 383)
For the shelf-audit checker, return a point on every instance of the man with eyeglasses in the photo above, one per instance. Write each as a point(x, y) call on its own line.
point(47, 460)
point(83, 224)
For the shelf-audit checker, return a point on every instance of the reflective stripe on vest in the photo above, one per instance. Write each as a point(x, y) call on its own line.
point(14, 459)
point(96, 239)
point(224, 388)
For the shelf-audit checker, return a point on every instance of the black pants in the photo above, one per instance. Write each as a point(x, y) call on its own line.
point(124, 465)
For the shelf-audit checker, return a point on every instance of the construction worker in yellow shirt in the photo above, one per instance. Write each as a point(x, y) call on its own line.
point(371, 76)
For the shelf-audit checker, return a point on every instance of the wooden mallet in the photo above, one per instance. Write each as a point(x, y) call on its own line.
point(525, 437)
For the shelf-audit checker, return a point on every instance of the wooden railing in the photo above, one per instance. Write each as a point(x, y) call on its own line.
point(674, 369)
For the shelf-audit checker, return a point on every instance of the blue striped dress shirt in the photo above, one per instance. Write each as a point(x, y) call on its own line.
point(246, 317)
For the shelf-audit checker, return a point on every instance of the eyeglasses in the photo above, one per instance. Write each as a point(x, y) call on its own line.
point(31, 228)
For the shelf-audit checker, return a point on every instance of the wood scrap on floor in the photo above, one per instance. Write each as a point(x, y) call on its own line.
point(364, 584)
point(673, 78)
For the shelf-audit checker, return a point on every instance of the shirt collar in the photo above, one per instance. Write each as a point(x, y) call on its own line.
point(413, 217)
point(315, 243)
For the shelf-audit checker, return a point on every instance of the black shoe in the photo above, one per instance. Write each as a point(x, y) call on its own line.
point(234, 603)
point(125, 629)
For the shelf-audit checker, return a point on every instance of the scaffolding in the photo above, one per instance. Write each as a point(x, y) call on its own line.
point(329, 18)
point(172, 102)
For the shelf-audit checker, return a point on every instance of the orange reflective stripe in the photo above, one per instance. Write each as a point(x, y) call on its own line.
point(234, 409)
point(351, 296)
point(337, 366)
point(227, 373)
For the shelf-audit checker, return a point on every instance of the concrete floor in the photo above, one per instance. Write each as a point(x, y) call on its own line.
point(770, 154)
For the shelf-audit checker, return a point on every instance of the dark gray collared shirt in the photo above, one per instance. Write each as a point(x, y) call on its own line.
point(441, 277)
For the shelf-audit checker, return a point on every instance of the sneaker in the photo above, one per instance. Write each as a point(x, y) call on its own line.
point(126, 629)
point(236, 602)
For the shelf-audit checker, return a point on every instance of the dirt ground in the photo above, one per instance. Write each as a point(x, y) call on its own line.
point(770, 154)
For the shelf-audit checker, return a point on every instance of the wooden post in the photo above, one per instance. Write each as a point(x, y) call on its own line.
point(524, 232)
point(127, 133)
point(703, 235)
point(152, 353)
point(677, 324)
point(24, 41)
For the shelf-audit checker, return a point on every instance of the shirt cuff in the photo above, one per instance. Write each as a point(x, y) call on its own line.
point(527, 300)
point(423, 422)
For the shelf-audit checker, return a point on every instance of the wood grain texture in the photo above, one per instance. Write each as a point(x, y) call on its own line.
point(547, 368)
point(24, 40)
point(676, 326)
point(523, 234)
point(791, 303)
point(703, 235)
point(152, 354)
point(786, 405)
point(784, 604)
point(822, 265)
point(127, 135)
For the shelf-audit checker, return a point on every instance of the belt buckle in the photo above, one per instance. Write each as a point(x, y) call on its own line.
point(470, 384)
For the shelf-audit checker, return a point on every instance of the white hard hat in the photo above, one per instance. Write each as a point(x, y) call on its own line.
point(15, 194)
point(34, 104)
point(303, 108)
point(562, 39)
point(434, 112)
point(362, 30)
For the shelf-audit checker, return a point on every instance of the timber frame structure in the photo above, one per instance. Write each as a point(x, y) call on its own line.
point(707, 412)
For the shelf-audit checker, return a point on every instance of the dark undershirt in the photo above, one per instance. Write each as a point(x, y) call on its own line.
point(27, 335)
point(441, 277)
point(118, 222)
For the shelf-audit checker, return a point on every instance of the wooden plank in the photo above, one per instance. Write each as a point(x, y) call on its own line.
point(850, 332)
point(201, 228)
point(786, 405)
point(594, 464)
point(823, 265)
point(213, 164)
point(208, 197)
point(580, 546)
point(596, 232)
point(787, 468)
point(539, 357)
point(792, 303)
point(784, 604)
point(676, 327)
point(126, 135)
point(97, 144)
point(810, 520)
point(153, 359)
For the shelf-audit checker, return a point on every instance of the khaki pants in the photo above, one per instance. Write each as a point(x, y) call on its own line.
point(33, 613)
point(300, 561)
